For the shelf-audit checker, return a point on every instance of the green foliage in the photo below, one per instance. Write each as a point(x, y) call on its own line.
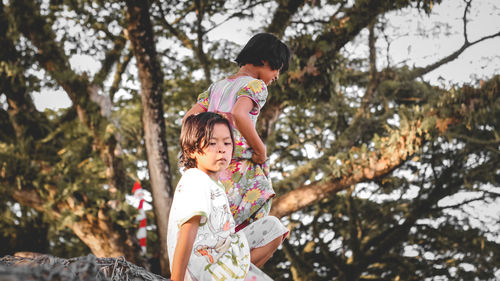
point(404, 225)
point(22, 229)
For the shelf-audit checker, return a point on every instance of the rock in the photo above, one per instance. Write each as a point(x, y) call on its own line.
point(28, 267)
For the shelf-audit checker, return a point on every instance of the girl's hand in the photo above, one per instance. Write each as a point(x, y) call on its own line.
point(259, 158)
point(244, 124)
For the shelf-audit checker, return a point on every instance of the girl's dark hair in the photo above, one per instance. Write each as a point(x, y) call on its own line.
point(195, 135)
point(265, 47)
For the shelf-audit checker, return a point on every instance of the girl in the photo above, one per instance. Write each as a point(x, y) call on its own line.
point(202, 242)
point(239, 98)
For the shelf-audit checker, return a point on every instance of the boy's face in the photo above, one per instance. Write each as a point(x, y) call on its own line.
point(216, 156)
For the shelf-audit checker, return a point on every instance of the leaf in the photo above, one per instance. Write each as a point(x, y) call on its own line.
point(442, 124)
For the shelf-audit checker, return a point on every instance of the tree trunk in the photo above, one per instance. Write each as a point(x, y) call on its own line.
point(151, 77)
point(97, 232)
point(109, 239)
point(94, 231)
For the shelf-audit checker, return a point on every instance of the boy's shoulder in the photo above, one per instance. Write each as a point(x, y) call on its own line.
point(193, 174)
point(191, 171)
point(195, 180)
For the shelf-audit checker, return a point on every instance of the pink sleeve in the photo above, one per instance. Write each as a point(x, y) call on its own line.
point(256, 90)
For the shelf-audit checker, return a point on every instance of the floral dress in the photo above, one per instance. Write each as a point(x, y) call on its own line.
point(248, 186)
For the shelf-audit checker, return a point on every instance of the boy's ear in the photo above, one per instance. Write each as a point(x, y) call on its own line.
point(194, 154)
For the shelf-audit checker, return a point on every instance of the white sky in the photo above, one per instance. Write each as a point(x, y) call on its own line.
point(479, 61)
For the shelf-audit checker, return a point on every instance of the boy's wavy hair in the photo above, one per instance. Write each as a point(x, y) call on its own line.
point(265, 47)
point(195, 135)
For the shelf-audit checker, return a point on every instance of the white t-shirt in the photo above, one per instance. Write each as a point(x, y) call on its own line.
point(218, 251)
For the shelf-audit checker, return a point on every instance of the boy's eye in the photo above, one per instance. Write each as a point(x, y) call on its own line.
point(212, 143)
point(228, 143)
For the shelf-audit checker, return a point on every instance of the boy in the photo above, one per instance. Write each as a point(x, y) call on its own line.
point(202, 242)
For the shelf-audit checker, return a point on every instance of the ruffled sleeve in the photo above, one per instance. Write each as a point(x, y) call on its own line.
point(193, 197)
point(203, 99)
point(256, 90)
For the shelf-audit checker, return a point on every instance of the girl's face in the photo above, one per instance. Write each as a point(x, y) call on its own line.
point(216, 156)
point(267, 74)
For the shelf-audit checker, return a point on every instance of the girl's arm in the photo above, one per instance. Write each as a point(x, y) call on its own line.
point(243, 123)
point(184, 247)
point(194, 110)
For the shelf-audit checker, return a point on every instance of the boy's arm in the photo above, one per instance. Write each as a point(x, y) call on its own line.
point(241, 109)
point(194, 110)
point(184, 247)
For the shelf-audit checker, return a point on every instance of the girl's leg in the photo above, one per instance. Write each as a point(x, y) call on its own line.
point(259, 256)
point(255, 274)
point(264, 237)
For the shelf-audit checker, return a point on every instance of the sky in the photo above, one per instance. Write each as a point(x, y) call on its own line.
point(479, 61)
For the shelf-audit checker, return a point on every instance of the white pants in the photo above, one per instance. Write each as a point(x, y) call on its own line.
point(259, 234)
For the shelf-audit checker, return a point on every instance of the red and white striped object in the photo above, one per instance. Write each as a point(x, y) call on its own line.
point(141, 217)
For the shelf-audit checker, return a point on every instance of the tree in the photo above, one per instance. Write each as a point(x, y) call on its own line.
point(141, 37)
point(372, 129)
point(32, 175)
point(398, 226)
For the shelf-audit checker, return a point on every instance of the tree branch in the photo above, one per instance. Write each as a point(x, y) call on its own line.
point(282, 16)
point(197, 49)
point(420, 71)
point(375, 166)
point(182, 16)
point(300, 268)
point(470, 139)
point(354, 19)
point(373, 75)
point(110, 59)
point(453, 206)
point(186, 42)
point(239, 14)
point(200, 54)
point(464, 19)
point(393, 235)
point(332, 259)
point(353, 226)
point(393, 151)
point(120, 69)
point(21, 111)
